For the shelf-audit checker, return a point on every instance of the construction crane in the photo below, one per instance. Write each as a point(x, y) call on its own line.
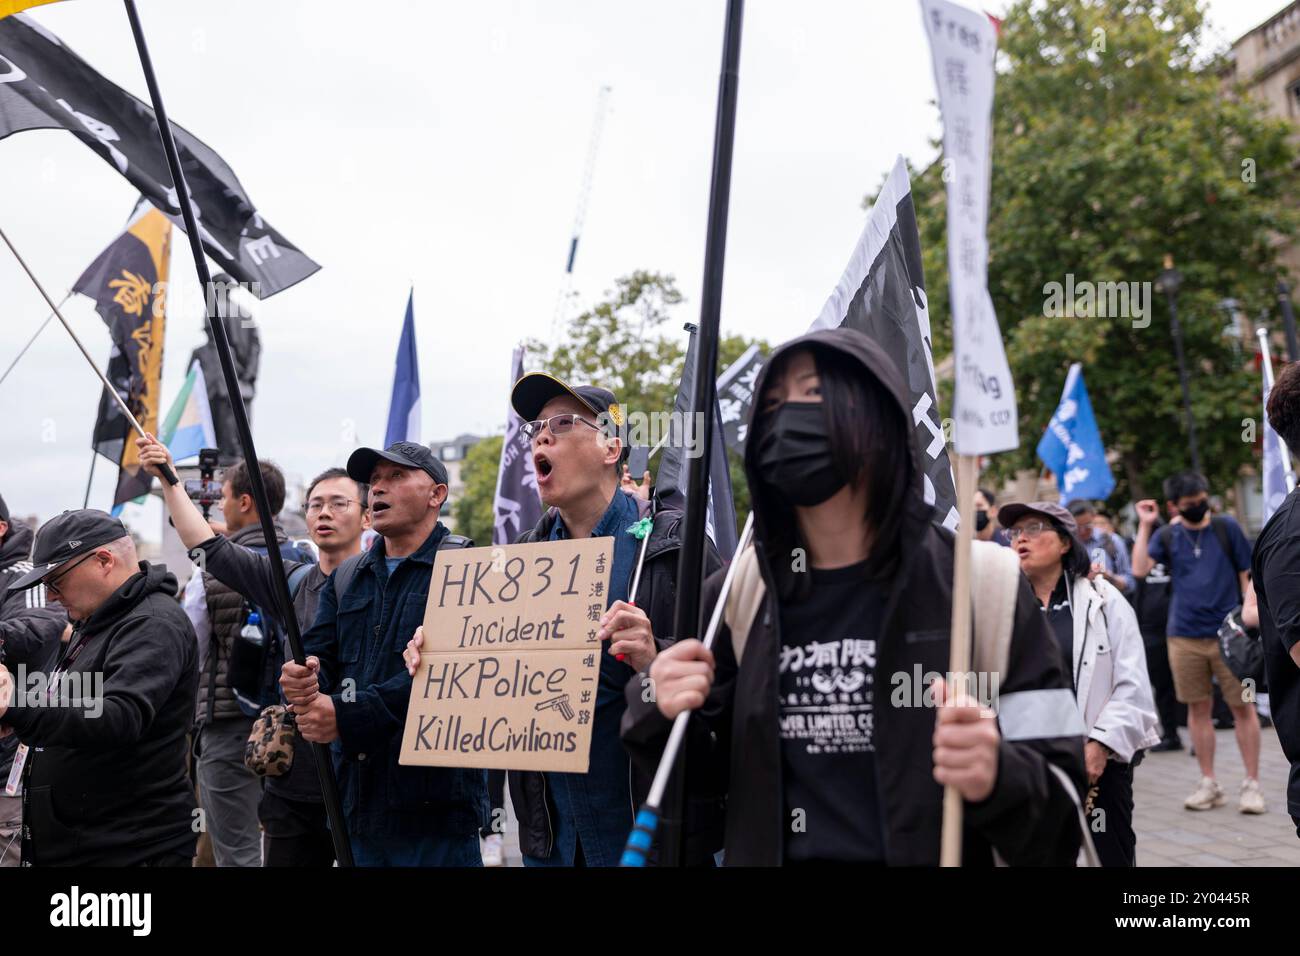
point(580, 216)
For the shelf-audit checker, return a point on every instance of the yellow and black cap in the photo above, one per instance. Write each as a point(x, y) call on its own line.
point(534, 390)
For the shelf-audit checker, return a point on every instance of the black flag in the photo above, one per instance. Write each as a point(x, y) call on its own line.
point(518, 505)
point(44, 85)
point(736, 395)
point(882, 293)
point(670, 480)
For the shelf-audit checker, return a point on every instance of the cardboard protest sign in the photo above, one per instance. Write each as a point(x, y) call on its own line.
point(508, 674)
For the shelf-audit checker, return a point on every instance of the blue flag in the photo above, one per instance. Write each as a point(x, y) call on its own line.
point(404, 406)
point(1072, 445)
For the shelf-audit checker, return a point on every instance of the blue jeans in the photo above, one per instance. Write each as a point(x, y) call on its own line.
point(416, 851)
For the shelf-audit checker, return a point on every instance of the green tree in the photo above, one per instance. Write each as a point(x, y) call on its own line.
point(475, 517)
point(1113, 145)
point(619, 343)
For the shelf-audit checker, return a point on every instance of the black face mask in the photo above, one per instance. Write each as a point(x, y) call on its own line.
point(794, 455)
point(1196, 512)
point(981, 519)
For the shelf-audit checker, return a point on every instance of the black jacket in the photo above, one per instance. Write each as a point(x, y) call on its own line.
point(359, 640)
point(657, 596)
point(225, 601)
point(111, 788)
point(31, 623)
point(734, 743)
point(249, 572)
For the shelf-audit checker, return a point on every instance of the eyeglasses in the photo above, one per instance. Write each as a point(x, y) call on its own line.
point(1030, 531)
point(52, 584)
point(558, 424)
point(336, 505)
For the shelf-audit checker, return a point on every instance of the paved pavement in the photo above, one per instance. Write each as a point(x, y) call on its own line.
point(1168, 835)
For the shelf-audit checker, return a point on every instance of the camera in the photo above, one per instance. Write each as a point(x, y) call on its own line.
point(205, 491)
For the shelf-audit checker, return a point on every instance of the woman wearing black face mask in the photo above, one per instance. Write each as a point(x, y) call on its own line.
point(818, 723)
point(987, 527)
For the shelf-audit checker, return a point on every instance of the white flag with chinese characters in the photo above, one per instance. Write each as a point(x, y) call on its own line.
point(962, 44)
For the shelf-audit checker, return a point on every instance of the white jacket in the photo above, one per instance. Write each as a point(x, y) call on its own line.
point(1110, 670)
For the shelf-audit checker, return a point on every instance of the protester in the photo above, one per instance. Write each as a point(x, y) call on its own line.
point(229, 792)
point(1107, 552)
point(641, 489)
point(354, 689)
point(568, 819)
point(987, 527)
point(1102, 648)
point(1152, 592)
point(30, 628)
point(1276, 557)
point(292, 811)
point(105, 781)
point(858, 598)
point(1209, 560)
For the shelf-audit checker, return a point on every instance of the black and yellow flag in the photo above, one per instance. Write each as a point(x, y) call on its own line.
point(128, 282)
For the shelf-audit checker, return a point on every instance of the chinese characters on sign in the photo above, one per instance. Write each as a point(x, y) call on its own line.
point(963, 44)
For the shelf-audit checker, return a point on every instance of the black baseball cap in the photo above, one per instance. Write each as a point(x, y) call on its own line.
point(4, 509)
point(408, 454)
point(534, 390)
point(68, 536)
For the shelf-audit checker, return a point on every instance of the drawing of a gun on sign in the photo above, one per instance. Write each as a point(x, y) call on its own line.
point(560, 703)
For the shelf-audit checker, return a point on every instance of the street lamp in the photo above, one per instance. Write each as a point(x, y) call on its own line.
point(1288, 320)
point(1169, 282)
point(1232, 328)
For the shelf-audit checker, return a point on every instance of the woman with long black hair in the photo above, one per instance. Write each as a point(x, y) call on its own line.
point(819, 722)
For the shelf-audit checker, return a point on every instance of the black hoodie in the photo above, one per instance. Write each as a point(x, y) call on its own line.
point(734, 743)
point(31, 623)
point(105, 781)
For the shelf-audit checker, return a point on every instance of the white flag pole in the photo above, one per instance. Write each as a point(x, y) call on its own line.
point(962, 46)
point(1283, 450)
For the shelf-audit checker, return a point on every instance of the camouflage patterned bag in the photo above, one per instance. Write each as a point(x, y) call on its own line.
point(269, 751)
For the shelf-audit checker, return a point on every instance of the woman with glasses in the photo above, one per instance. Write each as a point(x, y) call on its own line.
point(1102, 647)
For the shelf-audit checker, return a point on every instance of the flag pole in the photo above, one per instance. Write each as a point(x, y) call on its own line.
point(690, 563)
point(642, 836)
point(32, 341)
point(1288, 469)
point(168, 475)
point(959, 641)
point(85, 503)
point(217, 329)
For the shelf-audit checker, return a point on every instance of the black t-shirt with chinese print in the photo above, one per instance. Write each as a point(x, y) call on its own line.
point(827, 687)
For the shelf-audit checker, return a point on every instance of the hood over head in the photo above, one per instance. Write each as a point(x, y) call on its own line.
point(774, 519)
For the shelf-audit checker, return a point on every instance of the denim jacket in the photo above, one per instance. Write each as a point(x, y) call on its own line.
point(360, 639)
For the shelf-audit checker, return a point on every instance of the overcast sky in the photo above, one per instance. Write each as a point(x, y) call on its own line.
point(442, 145)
